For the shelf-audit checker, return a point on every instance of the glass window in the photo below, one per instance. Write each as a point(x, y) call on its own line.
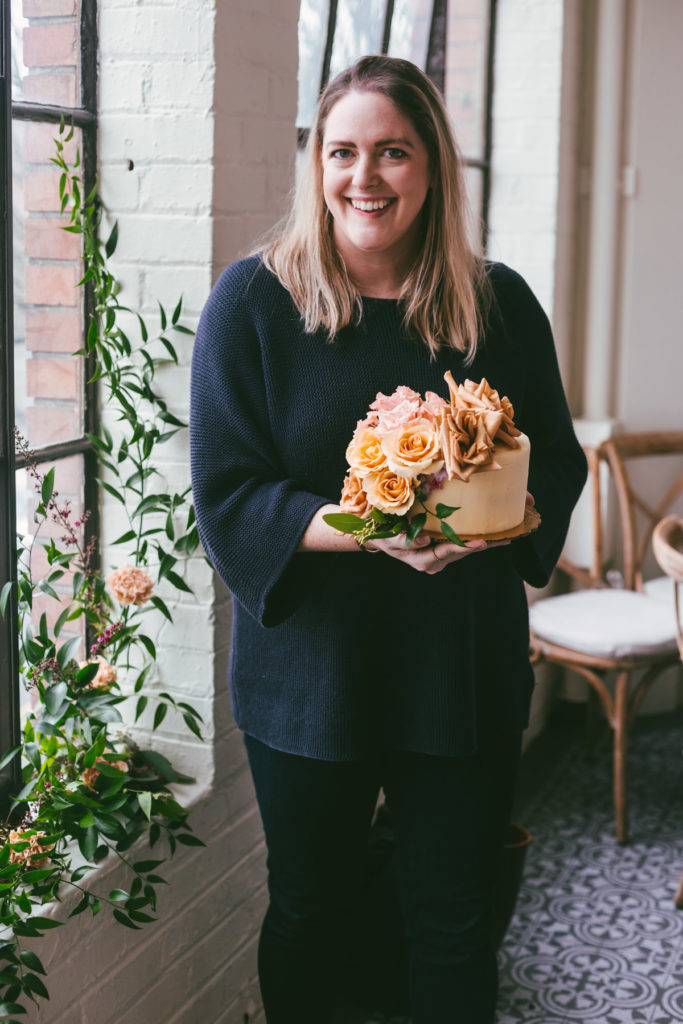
point(313, 16)
point(46, 52)
point(48, 395)
point(410, 29)
point(466, 73)
point(467, 91)
point(51, 48)
point(359, 30)
point(69, 485)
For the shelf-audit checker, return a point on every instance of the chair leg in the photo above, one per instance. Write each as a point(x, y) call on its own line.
point(678, 898)
point(591, 721)
point(620, 746)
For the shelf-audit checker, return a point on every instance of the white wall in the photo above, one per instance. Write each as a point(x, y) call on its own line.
point(200, 96)
point(650, 368)
point(526, 133)
point(523, 209)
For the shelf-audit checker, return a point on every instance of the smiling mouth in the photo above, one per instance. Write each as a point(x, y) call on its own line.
point(370, 205)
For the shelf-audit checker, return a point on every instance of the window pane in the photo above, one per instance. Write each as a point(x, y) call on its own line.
point(474, 179)
point(47, 304)
point(360, 24)
point(69, 488)
point(46, 51)
point(410, 25)
point(466, 62)
point(313, 16)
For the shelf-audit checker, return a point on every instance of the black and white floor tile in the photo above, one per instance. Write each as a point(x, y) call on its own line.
point(596, 938)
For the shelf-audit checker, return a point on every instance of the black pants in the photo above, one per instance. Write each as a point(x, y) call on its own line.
point(450, 816)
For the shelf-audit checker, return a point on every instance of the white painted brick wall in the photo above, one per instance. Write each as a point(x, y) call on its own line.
point(526, 127)
point(199, 96)
point(523, 211)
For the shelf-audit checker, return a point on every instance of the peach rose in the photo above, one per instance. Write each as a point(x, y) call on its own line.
point(412, 449)
point(364, 453)
point(130, 584)
point(353, 497)
point(105, 675)
point(389, 492)
point(34, 855)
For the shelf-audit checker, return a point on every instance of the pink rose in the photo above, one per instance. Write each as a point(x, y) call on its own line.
point(432, 404)
point(395, 410)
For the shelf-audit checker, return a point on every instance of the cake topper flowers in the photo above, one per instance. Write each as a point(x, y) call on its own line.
point(408, 446)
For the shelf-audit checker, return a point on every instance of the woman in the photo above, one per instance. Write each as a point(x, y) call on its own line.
point(407, 670)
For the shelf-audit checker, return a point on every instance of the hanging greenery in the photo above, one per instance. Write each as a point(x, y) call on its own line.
point(89, 792)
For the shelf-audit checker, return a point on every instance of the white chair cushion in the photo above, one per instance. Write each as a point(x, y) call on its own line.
point(606, 623)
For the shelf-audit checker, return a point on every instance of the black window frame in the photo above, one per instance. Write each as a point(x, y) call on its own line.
point(436, 69)
point(83, 117)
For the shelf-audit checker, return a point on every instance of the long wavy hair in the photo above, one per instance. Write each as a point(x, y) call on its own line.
point(445, 296)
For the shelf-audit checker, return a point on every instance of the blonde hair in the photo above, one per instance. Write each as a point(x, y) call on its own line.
point(446, 294)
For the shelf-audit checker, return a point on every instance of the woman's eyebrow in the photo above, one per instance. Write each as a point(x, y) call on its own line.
point(395, 142)
point(380, 142)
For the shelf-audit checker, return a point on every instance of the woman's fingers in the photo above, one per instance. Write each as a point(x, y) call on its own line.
point(426, 556)
point(445, 553)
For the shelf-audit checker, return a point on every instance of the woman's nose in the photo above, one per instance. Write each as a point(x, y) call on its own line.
point(365, 172)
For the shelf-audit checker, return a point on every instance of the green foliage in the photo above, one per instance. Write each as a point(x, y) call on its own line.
point(380, 524)
point(85, 786)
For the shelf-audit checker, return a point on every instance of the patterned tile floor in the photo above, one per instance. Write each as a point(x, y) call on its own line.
point(596, 937)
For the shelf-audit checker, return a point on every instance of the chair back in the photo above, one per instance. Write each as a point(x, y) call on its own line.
point(667, 542)
point(638, 507)
point(637, 510)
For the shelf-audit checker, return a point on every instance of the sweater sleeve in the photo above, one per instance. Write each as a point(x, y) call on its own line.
point(250, 517)
point(557, 470)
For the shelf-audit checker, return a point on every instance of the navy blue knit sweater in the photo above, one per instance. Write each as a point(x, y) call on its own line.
point(337, 654)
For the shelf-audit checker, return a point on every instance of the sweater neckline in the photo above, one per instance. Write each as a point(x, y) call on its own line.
point(378, 299)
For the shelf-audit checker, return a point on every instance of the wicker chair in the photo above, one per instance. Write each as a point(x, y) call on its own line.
point(667, 543)
point(629, 628)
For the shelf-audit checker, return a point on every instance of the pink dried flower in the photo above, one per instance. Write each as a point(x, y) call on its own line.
point(131, 585)
point(104, 638)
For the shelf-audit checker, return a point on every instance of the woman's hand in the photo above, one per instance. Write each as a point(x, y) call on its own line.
point(426, 556)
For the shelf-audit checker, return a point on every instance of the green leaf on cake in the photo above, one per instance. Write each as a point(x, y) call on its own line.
point(414, 527)
point(443, 511)
point(451, 535)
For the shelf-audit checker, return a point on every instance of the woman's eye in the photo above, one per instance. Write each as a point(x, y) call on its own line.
point(394, 154)
point(340, 154)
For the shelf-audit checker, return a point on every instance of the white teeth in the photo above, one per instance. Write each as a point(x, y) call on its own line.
point(369, 205)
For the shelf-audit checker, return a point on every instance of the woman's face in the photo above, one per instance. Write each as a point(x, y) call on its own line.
point(375, 178)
